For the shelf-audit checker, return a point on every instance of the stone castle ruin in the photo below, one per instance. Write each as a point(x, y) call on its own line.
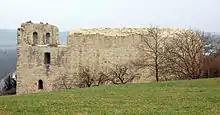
point(42, 60)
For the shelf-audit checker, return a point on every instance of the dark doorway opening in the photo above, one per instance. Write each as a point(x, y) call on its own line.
point(47, 58)
point(40, 84)
point(47, 38)
point(35, 38)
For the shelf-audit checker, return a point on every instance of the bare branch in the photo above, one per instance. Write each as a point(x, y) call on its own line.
point(123, 74)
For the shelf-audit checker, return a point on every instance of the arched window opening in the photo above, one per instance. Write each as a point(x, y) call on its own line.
point(35, 38)
point(47, 38)
point(40, 84)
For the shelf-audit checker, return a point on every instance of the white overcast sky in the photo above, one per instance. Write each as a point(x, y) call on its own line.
point(74, 14)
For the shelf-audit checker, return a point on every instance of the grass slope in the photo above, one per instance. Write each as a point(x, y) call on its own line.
point(173, 98)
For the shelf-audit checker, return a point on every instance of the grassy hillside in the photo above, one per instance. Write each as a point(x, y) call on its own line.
point(172, 98)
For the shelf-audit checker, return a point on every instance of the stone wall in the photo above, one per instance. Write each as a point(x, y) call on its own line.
point(25, 33)
point(99, 49)
point(31, 68)
point(102, 48)
point(30, 62)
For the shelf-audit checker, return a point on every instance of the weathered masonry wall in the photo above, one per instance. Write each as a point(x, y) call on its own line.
point(31, 67)
point(26, 32)
point(99, 49)
point(102, 48)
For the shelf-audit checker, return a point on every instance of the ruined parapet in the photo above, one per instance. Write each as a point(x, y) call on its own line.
point(38, 34)
point(116, 32)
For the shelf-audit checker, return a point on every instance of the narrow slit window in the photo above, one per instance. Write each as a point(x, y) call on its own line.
point(47, 38)
point(35, 38)
point(46, 58)
point(40, 84)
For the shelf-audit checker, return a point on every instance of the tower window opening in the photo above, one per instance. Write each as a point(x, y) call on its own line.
point(40, 84)
point(47, 38)
point(47, 58)
point(35, 38)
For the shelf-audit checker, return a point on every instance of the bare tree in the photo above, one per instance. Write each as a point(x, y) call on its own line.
point(102, 79)
point(153, 43)
point(86, 77)
point(89, 77)
point(63, 82)
point(212, 43)
point(211, 53)
point(123, 74)
point(184, 55)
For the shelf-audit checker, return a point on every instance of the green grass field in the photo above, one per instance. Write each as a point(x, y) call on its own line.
point(193, 97)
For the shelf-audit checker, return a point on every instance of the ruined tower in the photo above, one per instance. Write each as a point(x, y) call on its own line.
point(44, 65)
point(39, 57)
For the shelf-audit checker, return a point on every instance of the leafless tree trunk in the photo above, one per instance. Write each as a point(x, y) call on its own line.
point(89, 77)
point(184, 55)
point(123, 74)
point(102, 79)
point(86, 77)
point(63, 82)
point(151, 47)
